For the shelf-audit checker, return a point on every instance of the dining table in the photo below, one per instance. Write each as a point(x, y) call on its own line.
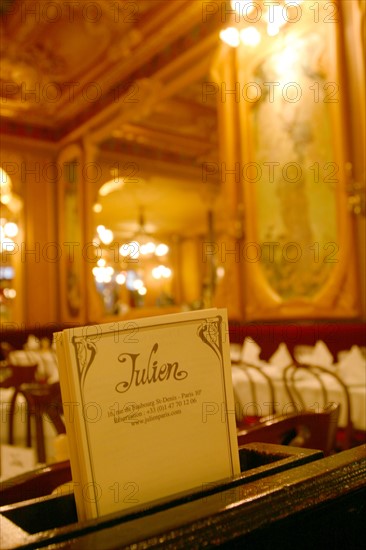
point(260, 389)
point(24, 367)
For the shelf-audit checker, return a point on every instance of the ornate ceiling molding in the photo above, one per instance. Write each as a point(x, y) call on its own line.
point(54, 81)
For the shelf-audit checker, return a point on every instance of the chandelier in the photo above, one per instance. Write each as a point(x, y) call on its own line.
point(134, 263)
point(143, 243)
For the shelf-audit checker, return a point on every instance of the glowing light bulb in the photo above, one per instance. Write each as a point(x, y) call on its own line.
point(148, 248)
point(250, 36)
point(138, 284)
point(272, 29)
point(10, 293)
point(11, 229)
point(162, 249)
point(121, 279)
point(5, 198)
point(230, 36)
point(106, 236)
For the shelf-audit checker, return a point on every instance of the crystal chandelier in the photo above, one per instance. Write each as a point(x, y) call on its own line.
point(143, 243)
point(131, 263)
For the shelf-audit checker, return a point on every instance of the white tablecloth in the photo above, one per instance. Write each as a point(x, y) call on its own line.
point(20, 424)
point(309, 388)
point(47, 369)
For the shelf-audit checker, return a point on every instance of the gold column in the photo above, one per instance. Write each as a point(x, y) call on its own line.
point(229, 289)
point(40, 252)
point(94, 306)
point(353, 39)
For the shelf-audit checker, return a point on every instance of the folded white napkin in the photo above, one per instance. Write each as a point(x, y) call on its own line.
point(319, 355)
point(46, 361)
point(48, 367)
point(250, 352)
point(23, 358)
point(32, 343)
point(281, 357)
point(352, 368)
point(235, 353)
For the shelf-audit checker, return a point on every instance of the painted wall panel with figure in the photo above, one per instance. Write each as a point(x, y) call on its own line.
point(294, 152)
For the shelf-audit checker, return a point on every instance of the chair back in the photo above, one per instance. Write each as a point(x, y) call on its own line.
point(18, 374)
point(252, 411)
point(44, 399)
point(311, 430)
point(326, 381)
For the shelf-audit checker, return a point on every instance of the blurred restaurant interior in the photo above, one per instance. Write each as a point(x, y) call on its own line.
point(163, 156)
point(131, 123)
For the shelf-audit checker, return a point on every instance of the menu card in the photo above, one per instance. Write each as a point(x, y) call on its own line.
point(149, 408)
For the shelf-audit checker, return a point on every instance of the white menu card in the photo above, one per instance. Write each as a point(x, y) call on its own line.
point(149, 408)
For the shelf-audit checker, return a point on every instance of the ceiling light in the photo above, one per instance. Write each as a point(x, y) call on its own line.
point(5, 198)
point(145, 243)
point(272, 29)
point(121, 279)
point(110, 186)
point(230, 36)
point(131, 249)
point(137, 284)
point(147, 248)
point(250, 36)
point(10, 293)
point(11, 229)
point(105, 235)
point(162, 249)
point(161, 271)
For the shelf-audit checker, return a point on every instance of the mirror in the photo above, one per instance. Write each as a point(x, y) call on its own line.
point(152, 192)
point(11, 238)
point(149, 227)
point(195, 112)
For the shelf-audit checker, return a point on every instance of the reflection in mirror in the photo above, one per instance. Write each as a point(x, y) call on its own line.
point(148, 234)
point(153, 189)
point(11, 206)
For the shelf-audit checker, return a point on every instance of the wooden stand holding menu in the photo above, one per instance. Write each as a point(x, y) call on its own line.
point(149, 408)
